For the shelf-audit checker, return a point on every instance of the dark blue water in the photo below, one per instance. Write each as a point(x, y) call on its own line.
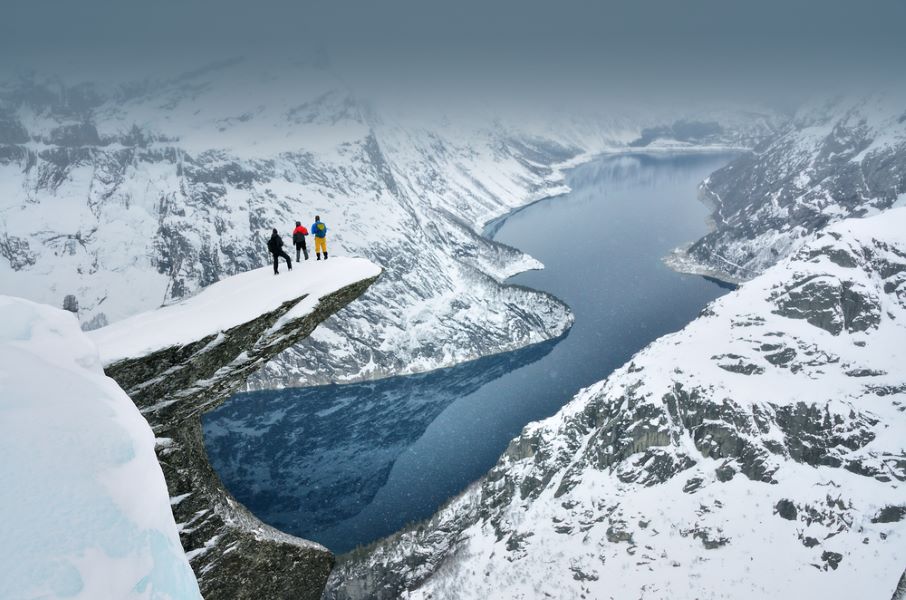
point(346, 465)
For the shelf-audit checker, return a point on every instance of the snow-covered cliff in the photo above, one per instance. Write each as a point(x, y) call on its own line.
point(84, 504)
point(836, 159)
point(134, 195)
point(179, 361)
point(759, 452)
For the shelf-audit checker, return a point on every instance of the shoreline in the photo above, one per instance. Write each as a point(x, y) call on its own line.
point(492, 227)
point(678, 259)
point(681, 261)
point(493, 224)
point(488, 228)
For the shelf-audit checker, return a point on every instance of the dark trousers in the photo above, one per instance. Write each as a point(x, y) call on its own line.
point(301, 246)
point(277, 256)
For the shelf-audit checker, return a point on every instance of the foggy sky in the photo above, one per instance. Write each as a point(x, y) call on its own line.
point(696, 43)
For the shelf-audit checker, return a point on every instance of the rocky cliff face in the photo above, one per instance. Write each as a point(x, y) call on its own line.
point(835, 160)
point(233, 554)
point(134, 195)
point(757, 452)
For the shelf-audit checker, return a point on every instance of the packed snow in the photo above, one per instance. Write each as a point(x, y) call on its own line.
point(228, 303)
point(84, 504)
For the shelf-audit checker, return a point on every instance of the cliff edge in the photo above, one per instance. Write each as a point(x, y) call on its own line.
point(180, 361)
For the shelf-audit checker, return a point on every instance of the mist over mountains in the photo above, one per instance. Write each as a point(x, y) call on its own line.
point(147, 149)
point(574, 51)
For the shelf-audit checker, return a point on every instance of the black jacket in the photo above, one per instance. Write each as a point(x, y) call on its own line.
point(275, 243)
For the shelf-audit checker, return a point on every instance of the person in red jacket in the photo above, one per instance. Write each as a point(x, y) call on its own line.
point(299, 234)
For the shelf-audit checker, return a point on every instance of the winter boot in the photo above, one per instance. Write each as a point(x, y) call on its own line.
point(325, 255)
point(319, 256)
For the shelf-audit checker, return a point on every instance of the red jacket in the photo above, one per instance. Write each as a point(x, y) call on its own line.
point(300, 229)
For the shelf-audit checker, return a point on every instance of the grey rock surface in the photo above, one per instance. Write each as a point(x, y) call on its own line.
point(233, 554)
point(900, 592)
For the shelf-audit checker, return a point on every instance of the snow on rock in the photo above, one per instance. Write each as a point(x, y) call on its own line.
point(83, 500)
point(132, 196)
point(839, 159)
point(759, 452)
point(230, 303)
point(182, 360)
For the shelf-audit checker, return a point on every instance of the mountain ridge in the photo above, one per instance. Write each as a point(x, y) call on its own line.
point(724, 419)
point(134, 196)
point(834, 159)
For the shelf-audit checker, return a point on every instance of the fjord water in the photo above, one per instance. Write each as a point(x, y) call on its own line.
point(346, 465)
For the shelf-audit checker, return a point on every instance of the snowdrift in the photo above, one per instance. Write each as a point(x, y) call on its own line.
point(84, 504)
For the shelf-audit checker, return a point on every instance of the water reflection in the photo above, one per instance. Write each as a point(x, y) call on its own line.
point(305, 459)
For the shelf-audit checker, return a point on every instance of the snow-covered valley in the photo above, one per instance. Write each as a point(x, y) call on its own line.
point(756, 453)
point(758, 450)
point(345, 465)
point(134, 195)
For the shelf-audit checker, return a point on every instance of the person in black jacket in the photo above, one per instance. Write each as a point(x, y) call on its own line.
point(275, 245)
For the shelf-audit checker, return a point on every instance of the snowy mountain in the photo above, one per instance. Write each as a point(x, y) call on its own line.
point(131, 195)
point(759, 452)
point(835, 160)
point(85, 507)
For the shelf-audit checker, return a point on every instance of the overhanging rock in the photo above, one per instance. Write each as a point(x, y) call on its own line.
point(178, 362)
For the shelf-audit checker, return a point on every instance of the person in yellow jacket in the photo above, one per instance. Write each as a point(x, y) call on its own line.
point(319, 230)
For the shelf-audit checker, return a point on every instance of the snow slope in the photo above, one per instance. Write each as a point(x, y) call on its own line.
point(135, 195)
point(836, 159)
point(759, 452)
point(229, 303)
point(84, 504)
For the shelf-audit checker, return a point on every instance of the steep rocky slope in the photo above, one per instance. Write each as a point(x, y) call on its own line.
point(134, 195)
point(838, 159)
point(182, 360)
point(759, 452)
